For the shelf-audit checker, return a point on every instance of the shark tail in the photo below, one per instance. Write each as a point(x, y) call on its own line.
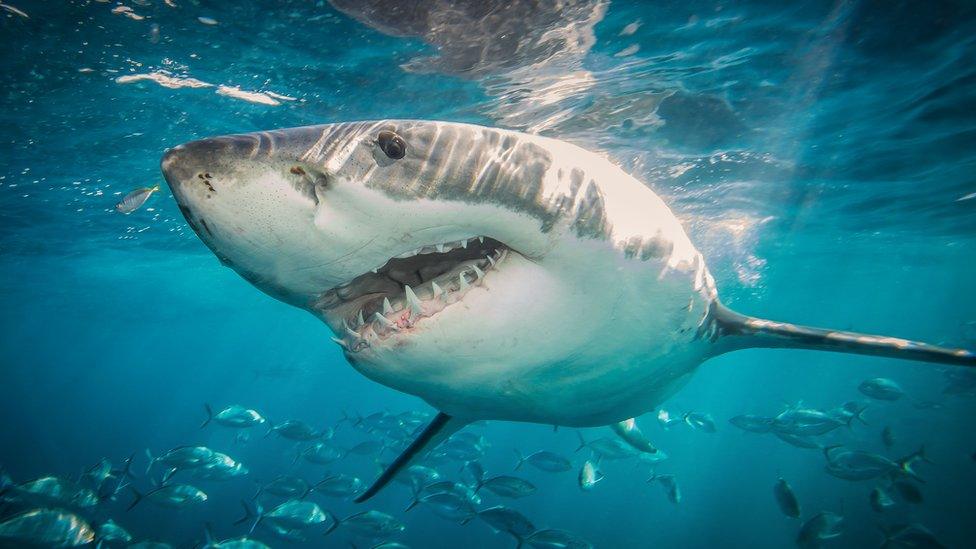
point(441, 427)
point(731, 331)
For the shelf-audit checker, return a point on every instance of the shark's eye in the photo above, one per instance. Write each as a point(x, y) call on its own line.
point(392, 144)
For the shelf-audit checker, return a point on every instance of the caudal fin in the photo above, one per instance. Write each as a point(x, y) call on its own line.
point(126, 471)
point(137, 497)
point(209, 411)
point(582, 440)
point(415, 492)
point(441, 427)
point(730, 331)
point(905, 463)
point(5, 481)
point(521, 459)
point(333, 523)
point(858, 414)
point(252, 512)
point(151, 462)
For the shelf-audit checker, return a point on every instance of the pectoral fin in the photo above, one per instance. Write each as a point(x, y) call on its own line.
point(439, 429)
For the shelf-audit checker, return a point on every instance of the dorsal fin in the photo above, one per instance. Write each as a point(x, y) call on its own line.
point(732, 331)
point(441, 427)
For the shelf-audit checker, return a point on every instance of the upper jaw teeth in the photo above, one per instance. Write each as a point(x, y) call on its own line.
point(427, 299)
point(440, 248)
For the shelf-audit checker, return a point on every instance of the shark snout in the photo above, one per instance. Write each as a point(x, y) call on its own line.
point(195, 164)
point(191, 171)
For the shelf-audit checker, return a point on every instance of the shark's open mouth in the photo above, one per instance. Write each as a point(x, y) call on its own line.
point(414, 285)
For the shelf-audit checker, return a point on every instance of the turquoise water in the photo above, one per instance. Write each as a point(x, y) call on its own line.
point(820, 155)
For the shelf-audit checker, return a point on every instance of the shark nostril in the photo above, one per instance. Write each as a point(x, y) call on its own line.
point(205, 178)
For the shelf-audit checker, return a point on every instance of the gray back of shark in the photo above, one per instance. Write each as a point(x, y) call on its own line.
point(495, 274)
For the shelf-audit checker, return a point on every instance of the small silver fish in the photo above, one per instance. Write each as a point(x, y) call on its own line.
point(135, 199)
point(450, 506)
point(822, 526)
point(174, 496)
point(368, 524)
point(505, 519)
point(45, 528)
point(880, 500)
point(881, 388)
point(235, 416)
point(670, 485)
point(786, 499)
point(549, 538)
point(296, 514)
point(699, 421)
point(589, 475)
point(339, 485)
point(544, 460)
point(888, 437)
point(14, 10)
point(631, 434)
point(111, 533)
point(507, 486)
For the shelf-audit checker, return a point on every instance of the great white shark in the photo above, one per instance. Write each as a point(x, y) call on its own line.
point(495, 274)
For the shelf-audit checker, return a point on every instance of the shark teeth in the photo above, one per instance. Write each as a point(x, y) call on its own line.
point(387, 323)
point(440, 248)
point(366, 319)
point(416, 307)
point(411, 253)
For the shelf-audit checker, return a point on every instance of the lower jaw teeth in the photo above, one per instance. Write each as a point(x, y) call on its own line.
point(414, 307)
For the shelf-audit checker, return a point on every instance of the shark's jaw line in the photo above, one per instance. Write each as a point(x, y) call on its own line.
point(394, 301)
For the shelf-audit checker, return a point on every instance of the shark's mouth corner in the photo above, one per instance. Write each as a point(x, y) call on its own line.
point(391, 300)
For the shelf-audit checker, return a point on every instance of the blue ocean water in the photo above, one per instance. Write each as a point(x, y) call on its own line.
point(820, 155)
